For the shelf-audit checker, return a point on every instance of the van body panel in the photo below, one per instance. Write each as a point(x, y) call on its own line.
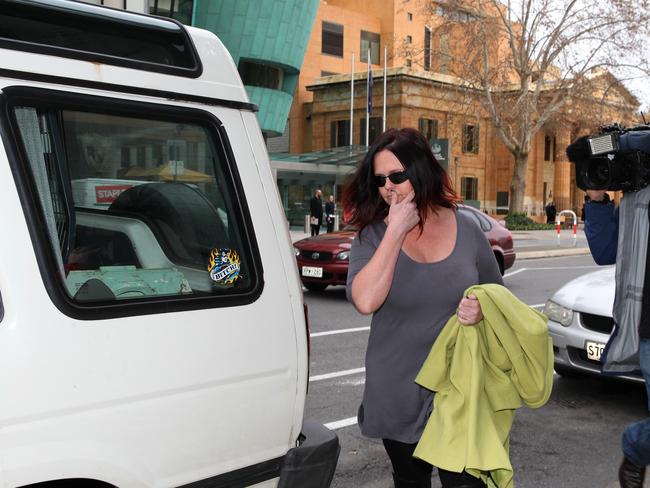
point(285, 253)
point(219, 75)
point(174, 396)
point(147, 371)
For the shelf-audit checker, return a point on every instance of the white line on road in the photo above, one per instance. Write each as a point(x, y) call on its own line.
point(565, 268)
point(515, 272)
point(336, 374)
point(363, 329)
point(546, 268)
point(338, 331)
point(339, 424)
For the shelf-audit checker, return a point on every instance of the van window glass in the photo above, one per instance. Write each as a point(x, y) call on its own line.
point(135, 208)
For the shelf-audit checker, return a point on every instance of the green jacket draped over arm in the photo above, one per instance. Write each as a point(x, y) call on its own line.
point(481, 374)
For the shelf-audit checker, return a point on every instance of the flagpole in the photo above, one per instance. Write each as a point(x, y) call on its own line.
point(383, 124)
point(351, 99)
point(368, 101)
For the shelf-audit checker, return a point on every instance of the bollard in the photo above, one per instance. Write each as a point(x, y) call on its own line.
point(575, 226)
point(307, 225)
point(575, 233)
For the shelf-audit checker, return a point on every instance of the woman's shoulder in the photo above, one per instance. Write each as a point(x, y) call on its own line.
point(372, 233)
point(468, 222)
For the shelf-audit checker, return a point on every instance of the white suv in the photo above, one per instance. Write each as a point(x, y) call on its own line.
point(153, 331)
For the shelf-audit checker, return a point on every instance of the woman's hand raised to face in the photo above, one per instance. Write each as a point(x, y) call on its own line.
point(402, 216)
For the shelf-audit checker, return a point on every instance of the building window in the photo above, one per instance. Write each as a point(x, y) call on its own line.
point(427, 48)
point(548, 148)
point(370, 40)
point(469, 188)
point(409, 16)
point(470, 138)
point(257, 74)
point(332, 39)
point(340, 133)
point(373, 132)
point(428, 128)
point(408, 63)
point(409, 40)
point(503, 198)
point(180, 10)
point(455, 15)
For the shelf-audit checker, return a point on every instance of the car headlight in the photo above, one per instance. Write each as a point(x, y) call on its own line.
point(343, 256)
point(297, 251)
point(558, 313)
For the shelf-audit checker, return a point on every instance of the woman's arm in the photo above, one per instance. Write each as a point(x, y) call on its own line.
point(371, 285)
point(469, 309)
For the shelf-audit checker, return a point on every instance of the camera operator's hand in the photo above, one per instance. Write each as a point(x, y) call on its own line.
point(596, 195)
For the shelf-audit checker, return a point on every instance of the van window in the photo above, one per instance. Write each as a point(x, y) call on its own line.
point(136, 207)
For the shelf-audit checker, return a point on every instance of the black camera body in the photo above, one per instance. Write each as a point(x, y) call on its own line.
point(614, 159)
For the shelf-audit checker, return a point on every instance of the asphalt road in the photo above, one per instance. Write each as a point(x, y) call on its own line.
point(571, 442)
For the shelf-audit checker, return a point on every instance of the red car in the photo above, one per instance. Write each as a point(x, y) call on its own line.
point(323, 259)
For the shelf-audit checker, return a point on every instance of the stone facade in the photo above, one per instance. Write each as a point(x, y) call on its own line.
point(412, 95)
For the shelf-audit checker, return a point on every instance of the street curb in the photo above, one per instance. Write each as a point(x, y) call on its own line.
point(552, 253)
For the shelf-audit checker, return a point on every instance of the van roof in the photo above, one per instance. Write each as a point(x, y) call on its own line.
point(72, 43)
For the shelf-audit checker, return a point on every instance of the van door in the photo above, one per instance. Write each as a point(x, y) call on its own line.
point(153, 325)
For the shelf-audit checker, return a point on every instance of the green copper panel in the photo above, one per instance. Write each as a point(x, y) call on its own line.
point(274, 108)
point(271, 32)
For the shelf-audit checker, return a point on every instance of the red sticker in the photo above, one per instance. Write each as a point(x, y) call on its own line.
point(108, 194)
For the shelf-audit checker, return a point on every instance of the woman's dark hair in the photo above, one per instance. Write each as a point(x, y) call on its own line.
point(430, 181)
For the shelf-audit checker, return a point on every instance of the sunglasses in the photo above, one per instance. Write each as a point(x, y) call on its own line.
point(395, 178)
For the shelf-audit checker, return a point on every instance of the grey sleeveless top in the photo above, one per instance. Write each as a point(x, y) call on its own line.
point(423, 296)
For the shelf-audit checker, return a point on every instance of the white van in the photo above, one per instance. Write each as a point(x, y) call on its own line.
point(153, 332)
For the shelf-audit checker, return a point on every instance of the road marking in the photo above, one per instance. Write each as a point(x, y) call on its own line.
point(339, 424)
point(565, 268)
point(339, 331)
point(336, 374)
point(546, 268)
point(363, 329)
point(515, 272)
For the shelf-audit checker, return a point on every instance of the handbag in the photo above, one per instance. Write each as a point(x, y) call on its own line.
point(313, 220)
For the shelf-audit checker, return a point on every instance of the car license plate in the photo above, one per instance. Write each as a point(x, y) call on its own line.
point(312, 271)
point(594, 350)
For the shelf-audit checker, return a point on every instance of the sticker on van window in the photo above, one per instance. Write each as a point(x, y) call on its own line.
point(224, 266)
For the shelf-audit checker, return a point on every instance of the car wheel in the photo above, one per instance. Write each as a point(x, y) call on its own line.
point(315, 286)
point(499, 259)
point(567, 372)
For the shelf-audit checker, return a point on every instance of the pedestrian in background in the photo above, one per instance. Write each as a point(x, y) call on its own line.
point(330, 213)
point(316, 212)
point(551, 212)
point(620, 235)
point(410, 263)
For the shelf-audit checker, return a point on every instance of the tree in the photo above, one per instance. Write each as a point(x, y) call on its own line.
point(530, 62)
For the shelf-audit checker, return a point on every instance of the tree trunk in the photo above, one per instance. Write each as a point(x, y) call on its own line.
point(518, 185)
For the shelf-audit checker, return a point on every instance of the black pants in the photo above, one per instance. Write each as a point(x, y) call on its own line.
point(413, 470)
point(315, 229)
point(330, 225)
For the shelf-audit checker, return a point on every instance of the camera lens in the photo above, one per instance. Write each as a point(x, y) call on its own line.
point(598, 173)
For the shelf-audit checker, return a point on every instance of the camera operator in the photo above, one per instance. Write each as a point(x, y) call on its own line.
point(620, 235)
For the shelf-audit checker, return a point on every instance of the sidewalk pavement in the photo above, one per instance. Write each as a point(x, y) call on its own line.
point(529, 244)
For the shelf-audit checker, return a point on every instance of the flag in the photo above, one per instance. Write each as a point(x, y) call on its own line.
point(369, 88)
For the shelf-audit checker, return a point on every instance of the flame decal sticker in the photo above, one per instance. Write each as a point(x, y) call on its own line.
point(224, 266)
